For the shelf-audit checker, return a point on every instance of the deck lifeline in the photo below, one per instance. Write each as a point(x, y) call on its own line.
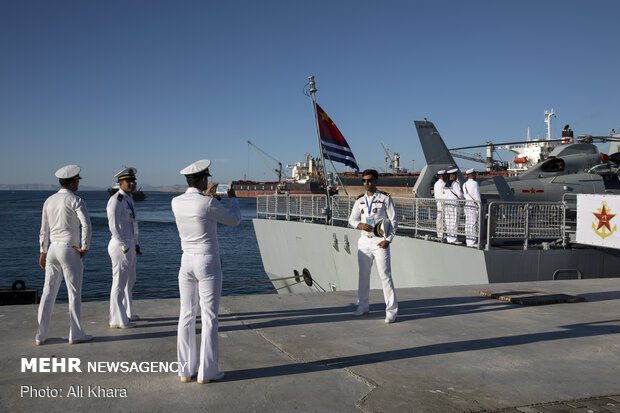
point(450, 350)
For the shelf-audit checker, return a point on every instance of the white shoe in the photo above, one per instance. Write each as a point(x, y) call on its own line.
point(359, 312)
point(130, 325)
point(219, 376)
point(39, 342)
point(390, 319)
point(84, 339)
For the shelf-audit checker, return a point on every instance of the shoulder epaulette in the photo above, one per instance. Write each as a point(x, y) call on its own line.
point(385, 193)
point(119, 197)
point(359, 196)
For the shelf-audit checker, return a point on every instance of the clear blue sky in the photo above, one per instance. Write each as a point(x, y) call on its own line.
point(159, 84)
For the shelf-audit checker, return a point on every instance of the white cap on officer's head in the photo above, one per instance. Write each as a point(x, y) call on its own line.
point(68, 172)
point(470, 171)
point(453, 170)
point(128, 172)
point(441, 172)
point(197, 167)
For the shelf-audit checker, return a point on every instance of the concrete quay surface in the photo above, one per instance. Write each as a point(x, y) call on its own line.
point(449, 351)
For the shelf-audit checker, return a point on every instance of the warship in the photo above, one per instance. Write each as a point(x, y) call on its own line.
point(306, 245)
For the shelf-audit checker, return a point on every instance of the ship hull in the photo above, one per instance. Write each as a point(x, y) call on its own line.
point(322, 250)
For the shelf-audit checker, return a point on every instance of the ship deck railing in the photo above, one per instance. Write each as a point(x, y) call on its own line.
point(496, 224)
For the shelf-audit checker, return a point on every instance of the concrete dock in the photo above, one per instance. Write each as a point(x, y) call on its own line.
point(449, 351)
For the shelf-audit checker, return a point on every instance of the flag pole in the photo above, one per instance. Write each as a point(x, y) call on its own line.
point(313, 90)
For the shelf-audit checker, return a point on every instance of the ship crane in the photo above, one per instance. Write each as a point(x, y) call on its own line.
point(489, 162)
point(394, 162)
point(262, 154)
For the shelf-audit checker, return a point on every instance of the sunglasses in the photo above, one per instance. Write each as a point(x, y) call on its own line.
point(368, 180)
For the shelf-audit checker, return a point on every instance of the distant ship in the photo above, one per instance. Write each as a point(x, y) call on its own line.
point(137, 195)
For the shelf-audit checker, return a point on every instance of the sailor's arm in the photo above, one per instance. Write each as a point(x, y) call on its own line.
point(390, 211)
point(82, 214)
point(114, 211)
point(44, 238)
point(227, 216)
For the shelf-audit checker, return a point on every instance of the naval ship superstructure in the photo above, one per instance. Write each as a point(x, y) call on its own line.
point(307, 246)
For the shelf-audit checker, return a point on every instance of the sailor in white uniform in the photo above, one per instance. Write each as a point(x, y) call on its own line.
point(123, 248)
point(452, 209)
point(374, 214)
point(63, 213)
point(471, 192)
point(200, 275)
point(438, 194)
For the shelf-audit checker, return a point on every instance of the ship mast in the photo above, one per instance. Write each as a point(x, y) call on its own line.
point(313, 90)
point(548, 115)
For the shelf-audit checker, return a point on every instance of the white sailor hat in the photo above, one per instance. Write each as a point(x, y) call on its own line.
point(453, 170)
point(126, 173)
point(442, 172)
point(68, 172)
point(470, 171)
point(197, 167)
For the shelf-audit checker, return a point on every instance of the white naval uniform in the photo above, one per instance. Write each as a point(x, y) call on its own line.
point(200, 277)
point(438, 193)
point(471, 192)
point(62, 215)
point(124, 237)
point(381, 208)
point(452, 210)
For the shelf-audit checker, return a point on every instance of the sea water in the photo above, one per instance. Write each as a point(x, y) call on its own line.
point(158, 266)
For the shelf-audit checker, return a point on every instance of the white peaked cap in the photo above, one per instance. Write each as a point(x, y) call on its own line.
point(68, 171)
point(470, 171)
point(442, 172)
point(196, 167)
point(453, 171)
point(126, 172)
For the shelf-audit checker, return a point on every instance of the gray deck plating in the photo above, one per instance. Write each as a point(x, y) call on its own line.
point(450, 351)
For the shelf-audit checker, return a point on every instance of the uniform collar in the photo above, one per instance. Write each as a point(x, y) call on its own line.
point(191, 189)
point(124, 193)
point(65, 190)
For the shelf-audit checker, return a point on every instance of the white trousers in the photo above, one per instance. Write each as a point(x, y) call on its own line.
point(471, 224)
point(451, 214)
point(200, 283)
point(367, 252)
point(123, 279)
point(62, 260)
point(439, 221)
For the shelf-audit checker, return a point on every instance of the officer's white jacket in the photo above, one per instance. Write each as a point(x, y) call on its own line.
point(438, 188)
point(382, 209)
point(453, 191)
point(197, 216)
point(62, 215)
point(471, 190)
point(122, 220)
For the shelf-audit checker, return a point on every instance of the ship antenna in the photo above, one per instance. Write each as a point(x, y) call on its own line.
point(312, 91)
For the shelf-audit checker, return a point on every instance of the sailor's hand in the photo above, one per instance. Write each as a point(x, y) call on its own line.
point(42, 260)
point(364, 227)
point(138, 251)
point(211, 190)
point(80, 250)
point(384, 244)
point(231, 193)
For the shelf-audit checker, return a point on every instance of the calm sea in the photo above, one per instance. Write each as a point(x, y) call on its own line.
point(158, 266)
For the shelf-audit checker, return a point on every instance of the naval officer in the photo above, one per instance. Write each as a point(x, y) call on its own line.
point(200, 277)
point(374, 214)
point(123, 248)
point(63, 213)
point(438, 194)
point(471, 193)
point(452, 191)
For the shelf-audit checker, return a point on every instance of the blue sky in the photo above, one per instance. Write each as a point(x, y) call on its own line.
point(159, 84)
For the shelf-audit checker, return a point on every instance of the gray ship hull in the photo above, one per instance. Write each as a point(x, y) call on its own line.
point(323, 252)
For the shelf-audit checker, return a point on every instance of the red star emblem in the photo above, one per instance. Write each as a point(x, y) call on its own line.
point(603, 218)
